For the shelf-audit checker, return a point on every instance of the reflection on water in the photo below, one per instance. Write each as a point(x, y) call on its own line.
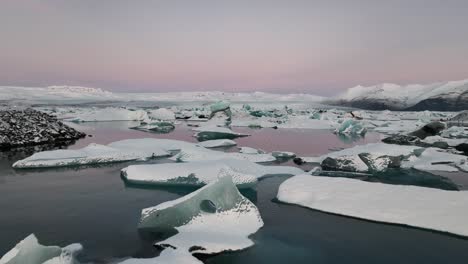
point(93, 206)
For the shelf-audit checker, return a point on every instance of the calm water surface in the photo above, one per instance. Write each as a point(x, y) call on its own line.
point(94, 207)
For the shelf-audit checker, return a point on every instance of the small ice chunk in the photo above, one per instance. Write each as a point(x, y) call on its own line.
point(283, 154)
point(31, 252)
point(249, 150)
point(217, 143)
point(236, 217)
point(421, 207)
point(215, 132)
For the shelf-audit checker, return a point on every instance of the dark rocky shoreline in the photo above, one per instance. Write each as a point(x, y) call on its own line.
point(29, 127)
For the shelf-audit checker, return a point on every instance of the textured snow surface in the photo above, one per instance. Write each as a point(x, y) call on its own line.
point(243, 173)
point(407, 205)
point(161, 114)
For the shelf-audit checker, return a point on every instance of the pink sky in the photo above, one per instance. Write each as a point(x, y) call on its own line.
point(319, 47)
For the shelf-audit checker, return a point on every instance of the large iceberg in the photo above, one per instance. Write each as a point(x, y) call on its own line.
point(243, 173)
point(161, 114)
point(213, 219)
point(200, 154)
point(29, 251)
point(91, 154)
point(421, 207)
point(123, 150)
point(351, 127)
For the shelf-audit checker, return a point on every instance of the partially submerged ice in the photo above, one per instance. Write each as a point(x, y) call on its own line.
point(30, 251)
point(123, 150)
point(421, 207)
point(380, 156)
point(243, 173)
point(211, 220)
point(217, 143)
point(200, 154)
point(161, 114)
point(212, 132)
point(156, 126)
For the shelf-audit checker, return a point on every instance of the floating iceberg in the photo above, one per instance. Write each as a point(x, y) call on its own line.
point(217, 143)
point(124, 150)
point(215, 132)
point(373, 151)
point(200, 154)
point(432, 159)
point(156, 127)
point(421, 207)
point(283, 154)
point(161, 114)
point(351, 127)
point(380, 156)
point(213, 219)
point(109, 114)
point(243, 173)
point(29, 251)
point(249, 150)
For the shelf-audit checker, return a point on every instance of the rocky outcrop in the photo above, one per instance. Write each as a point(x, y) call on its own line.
point(28, 127)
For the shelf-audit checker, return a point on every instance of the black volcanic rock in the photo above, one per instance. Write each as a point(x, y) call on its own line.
point(20, 128)
point(431, 129)
point(463, 147)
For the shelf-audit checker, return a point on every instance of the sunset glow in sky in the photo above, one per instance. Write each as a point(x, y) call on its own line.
point(319, 47)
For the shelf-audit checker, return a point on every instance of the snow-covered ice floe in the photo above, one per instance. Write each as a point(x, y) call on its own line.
point(243, 173)
point(131, 149)
point(211, 220)
point(29, 251)
point(211, 132)
point(217, 143)
point(108, 114)
point(351, 127)
point(420, 207)
point(119, 151)
point(200, 154)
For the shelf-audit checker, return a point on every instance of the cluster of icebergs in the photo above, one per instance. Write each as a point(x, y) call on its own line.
point(219, 174)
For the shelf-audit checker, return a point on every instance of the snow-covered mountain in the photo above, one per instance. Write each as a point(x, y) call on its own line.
point(77, 94)
point(444, 96)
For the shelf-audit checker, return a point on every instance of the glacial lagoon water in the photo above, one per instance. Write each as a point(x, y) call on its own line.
point(93, 206)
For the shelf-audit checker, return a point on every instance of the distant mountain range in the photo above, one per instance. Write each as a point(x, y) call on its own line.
point(446, 96)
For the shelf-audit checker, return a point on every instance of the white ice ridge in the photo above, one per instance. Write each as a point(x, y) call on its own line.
point(29, 251)
point(244, 173)
point(421, 207)
point(216, 143)
point(213, 219)
point(108, 114)
point(161, 114)
point(211, 132)
point(131, 149)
